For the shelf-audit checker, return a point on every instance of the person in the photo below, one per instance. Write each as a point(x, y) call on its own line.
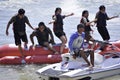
point(84, 20)
point(58, 27)
point(101, 17)
point(42, 34)
point(19, 29)
point(76, 45)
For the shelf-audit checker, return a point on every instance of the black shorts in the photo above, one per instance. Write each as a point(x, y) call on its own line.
point(78, 54)
point(42, 43)
point(104, 33)
point(59, 33)
point(20, 36)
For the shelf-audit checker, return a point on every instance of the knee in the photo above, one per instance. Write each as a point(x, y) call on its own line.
point(64, 41)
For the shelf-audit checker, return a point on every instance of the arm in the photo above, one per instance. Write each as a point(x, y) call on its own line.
point(31, 37)
point(53, 19)
point(28, 23)
point(72, 38)
point(84, 21)
point(51, 35)
point(108, 18)
point(113, 17)
point(51, 22)
point(69, 15)
point(8, 25)
point(30, 26)
point(91, 22)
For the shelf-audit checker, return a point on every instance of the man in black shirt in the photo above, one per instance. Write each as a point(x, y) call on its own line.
point(19, 29)
point(42, 34)
point(101, 17)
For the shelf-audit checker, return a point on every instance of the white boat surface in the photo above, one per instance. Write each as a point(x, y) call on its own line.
point(76, 69)
point(105, 65)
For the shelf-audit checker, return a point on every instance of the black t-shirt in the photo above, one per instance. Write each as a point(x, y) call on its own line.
point(101, 19)
point(58, 24)
point(19, 23)
point(42, 36)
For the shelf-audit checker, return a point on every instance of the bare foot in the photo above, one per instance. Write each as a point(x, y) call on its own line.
point(74, 57)
point(56, 53)
point(91, 67)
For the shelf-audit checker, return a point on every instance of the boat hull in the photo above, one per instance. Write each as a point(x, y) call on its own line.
point(89, 76)
point(9, 54)
point(51, 74)
point(12, 50)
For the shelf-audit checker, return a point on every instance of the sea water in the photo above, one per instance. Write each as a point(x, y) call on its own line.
point(42, 10)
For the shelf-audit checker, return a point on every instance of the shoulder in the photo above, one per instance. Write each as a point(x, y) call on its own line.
point(83, 19)
point(25, 17)
point(13, 17)
point(36, 31)
point(98, 13)
point(48, 29)
point(74, 34)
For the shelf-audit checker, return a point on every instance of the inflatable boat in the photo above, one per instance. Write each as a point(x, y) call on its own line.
point(107, 63)
point(9, 54)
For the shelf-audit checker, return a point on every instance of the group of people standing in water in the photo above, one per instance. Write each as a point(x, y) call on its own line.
point(42, 32)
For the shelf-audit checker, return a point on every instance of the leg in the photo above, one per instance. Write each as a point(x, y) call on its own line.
point(25, 40)
point(18, 43)
point(17, 38)
point(21, 51)
point(104, 33)
point(92, 57)
point(82, 54)
point(64, 41)
point(50, 47)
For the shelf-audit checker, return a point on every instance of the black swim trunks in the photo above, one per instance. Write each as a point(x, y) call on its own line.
point(20, 36)
point(59, 34)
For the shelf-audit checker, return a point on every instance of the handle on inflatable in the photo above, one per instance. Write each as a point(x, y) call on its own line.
point(102, 42)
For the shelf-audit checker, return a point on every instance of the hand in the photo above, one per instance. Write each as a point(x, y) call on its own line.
point(34, 28)
point(7, 33)
point(33, 47)
point(50, 23)
point(117, 16)
point(74, 57)
point(52, 42)
point(71, 14)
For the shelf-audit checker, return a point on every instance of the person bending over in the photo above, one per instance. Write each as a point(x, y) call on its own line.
point(42, 34)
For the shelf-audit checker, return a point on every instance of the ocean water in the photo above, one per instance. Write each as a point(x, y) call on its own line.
point(42, 10)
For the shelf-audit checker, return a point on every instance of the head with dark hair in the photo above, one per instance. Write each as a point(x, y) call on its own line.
point(102, 7)
point(85, 12)
point(58, 10)
point(41, 26)
point(80, 27)
point(21, 11)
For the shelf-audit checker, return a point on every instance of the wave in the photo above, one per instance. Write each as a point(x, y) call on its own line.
point(14, 3)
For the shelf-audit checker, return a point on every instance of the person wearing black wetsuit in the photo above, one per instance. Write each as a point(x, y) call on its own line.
point(42, 34)
point(58, 27)
point(19, 29)
point(101, 17)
